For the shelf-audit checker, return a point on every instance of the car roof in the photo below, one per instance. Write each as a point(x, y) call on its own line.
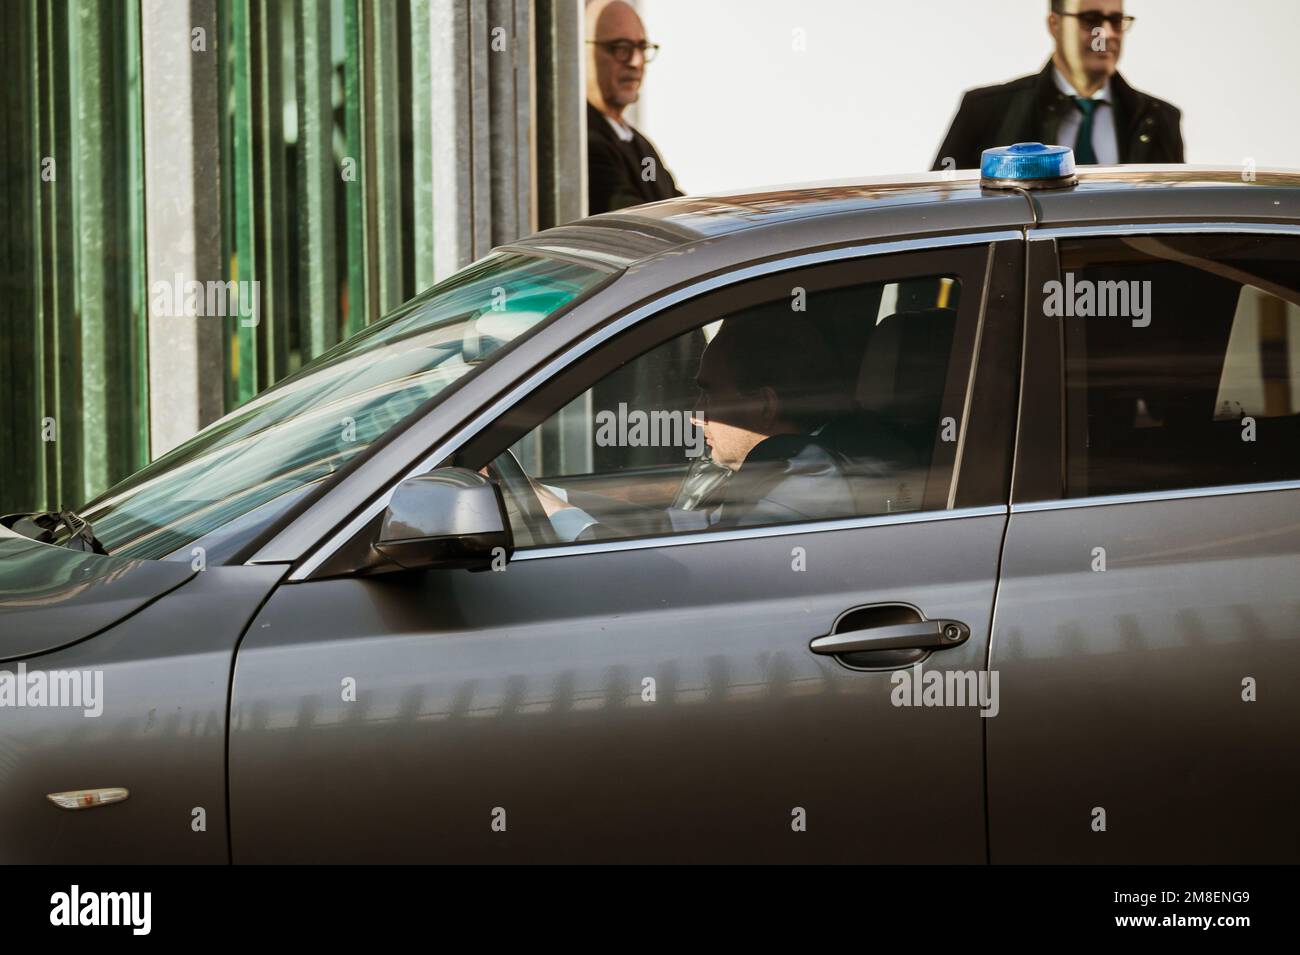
point(779, 218)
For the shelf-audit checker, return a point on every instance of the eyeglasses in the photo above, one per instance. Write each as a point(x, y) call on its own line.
point(621, 50)
point(1092, 20)
point(701, 406)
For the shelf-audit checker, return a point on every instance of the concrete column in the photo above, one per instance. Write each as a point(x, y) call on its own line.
point(452, 153)
point(182, 170)
point(472, 105)
point(510, 67)
point(561, 112)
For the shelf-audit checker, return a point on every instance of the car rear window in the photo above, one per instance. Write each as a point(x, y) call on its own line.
point(1184, 368)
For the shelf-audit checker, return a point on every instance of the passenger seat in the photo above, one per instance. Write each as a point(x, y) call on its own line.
point(903, 373)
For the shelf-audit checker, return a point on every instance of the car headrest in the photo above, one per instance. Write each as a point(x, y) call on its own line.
point(905, 365)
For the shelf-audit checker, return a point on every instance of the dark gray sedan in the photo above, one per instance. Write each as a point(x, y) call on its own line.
point(898, 521)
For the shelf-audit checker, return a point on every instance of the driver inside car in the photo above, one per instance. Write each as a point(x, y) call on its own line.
point(772, 399)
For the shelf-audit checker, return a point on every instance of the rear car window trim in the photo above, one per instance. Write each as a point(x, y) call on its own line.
point(1142, 497)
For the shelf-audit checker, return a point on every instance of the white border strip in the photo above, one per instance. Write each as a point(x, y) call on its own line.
point(756, 533)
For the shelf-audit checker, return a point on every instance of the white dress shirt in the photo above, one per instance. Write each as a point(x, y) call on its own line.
point(1105, 144)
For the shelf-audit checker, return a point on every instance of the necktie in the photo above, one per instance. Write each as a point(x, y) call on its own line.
point(1083, 152)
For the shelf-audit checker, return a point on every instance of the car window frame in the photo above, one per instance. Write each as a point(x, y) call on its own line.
point(760, 292)
point(334, 551)
point(1039, 479)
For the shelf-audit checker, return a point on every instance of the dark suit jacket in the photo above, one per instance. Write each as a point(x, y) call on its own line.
point(852, 466)
point(1029, 110)
point(614, 168)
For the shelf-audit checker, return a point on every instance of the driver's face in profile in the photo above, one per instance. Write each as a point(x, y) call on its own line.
point(733, 422)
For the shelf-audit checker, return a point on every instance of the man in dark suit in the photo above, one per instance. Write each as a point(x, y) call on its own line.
point(1077, 100)
point(623, 167)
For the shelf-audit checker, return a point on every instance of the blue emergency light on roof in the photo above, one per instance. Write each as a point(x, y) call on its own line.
point(1027, 166)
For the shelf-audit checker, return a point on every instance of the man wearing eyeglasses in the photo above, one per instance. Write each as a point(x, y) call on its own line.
point(623, 167)
point(1077, 100)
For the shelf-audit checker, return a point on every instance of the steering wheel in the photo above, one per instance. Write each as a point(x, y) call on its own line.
point(703, 486)
point(507, 470)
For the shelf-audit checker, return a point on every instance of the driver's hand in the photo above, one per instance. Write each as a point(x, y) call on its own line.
point(551, 504)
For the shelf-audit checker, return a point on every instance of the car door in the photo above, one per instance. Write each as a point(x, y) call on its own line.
point(653, 695)
point(1147, 631)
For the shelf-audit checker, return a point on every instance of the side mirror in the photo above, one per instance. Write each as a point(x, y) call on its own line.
point(451, 517)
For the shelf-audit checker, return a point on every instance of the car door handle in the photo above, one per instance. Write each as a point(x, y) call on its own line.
point(924, 635)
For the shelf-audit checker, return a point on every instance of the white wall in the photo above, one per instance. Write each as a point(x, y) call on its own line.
point(730, 104)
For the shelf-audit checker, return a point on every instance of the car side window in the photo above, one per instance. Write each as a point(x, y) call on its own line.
point(808, 396)
point(1182, 361)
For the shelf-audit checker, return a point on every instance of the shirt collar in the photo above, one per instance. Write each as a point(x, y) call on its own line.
point(621, 130)
point(1066, 87)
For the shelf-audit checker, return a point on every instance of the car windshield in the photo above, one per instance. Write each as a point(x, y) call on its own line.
point(251, 465)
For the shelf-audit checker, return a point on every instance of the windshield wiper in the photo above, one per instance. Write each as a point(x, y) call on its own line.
point(43, 526)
